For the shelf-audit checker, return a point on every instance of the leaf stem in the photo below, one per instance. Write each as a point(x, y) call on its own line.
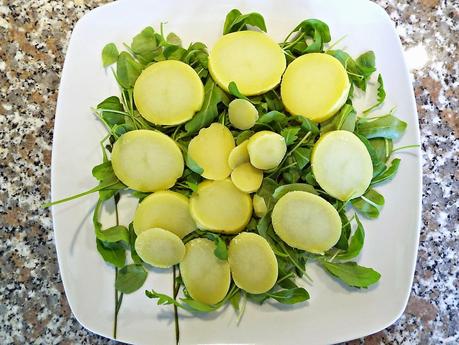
point(404, 148)
point(175, 293)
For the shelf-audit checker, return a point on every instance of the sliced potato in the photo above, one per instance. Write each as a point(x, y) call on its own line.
point(210, 149)
point(168, 92)
point(252, 262)
point(242, 114)
point(247, 178)
point(239, 155)
point(306, 221)
point(167, 210)
point(147, 161)
point(342, 165)
point(315, 86)
point(259, 206)
point(220, 206)
point(206, 277)
point(159, 247)
point(251, 59)
point(266, 149)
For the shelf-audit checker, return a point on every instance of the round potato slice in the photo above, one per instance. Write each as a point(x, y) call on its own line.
point(342, 165)
point(168, 92)
point(315, 86)
point(239, 155)
point(266, 149)
point(242, 114)
point(167, 210)
point(259, 206)
point(252, 262)
point(147, 161)
point(210, 149)
point(247, 178)
point(159, 248)
point(219, 206)
point(251, 59)
point(306, 221)
point(206, 277)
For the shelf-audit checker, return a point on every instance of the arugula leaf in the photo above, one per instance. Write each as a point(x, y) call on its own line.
point(369, 204)
point(127, 70)
point(236, 21)
point(233, 90)
point(114, 234)
point(243, 136)
point(343, 242)
point(289, 296)
point(290, 134)
point(355, 244)
point(343, 120)
point(383, 148)
point(113, 253)
point(388, 174)
point(273, 116)
point(174, 39)
point(132, 237)
point(112, 117)
point(109, 54)
point(352, 274)
point(380, 95)
point(266, 191)
point(386, 126)
point(280, 191)
point(308, 30)
point(220, 250)
point(378, 165)
point(306, 124)
point(130, 278)
point(302, 156)
point(209, 111)
point(191, 163)
point(145, 45)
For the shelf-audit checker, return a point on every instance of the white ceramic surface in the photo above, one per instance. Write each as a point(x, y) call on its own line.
point(334, 313)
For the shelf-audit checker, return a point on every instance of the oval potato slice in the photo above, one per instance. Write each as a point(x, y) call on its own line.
point(259, 206)
point(266, 149)
point(242, 114)
point(239, 155)
point(247, 178)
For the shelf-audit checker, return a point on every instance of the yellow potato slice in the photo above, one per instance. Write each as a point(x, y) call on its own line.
point(159, 248)
point(247, 178)
point(206, 277)
point(315, 86)
point(342, 165)
point(210, 149)
point(167, 210)
point(266, 149)
point(168, 93)
point(239, 155)
point(252, 262)
point(242, 114)
point(147, 161)
point(249, 58)
point(259, 206)
point(306, 221)
point(219, 206)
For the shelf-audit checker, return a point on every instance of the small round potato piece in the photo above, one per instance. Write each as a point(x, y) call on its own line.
point(239, 155)
point(219, 206)
point(167, 210)
point(242, 114)
point(206, 277)
point(159, 247)
point(210, 149)
point(147, 161)
point(252, 262)
point(247, 178)
point(306, 221)
point(259, 206)
point(266, 149)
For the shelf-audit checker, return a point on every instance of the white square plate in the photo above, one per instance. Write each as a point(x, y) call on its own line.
point(334, 313)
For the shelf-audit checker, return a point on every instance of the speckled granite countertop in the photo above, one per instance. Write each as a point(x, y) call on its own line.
point(33, 40)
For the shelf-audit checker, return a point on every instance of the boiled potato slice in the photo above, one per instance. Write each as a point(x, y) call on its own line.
point(219, 206)
point(242, 114)
point(159, 247)
point(306, 221)
point(167, 210)
point(342, 165)
point(211, 149)
point(259, 206)
point(251, 59)
point(247, 178)
point(168, 92)
point(266, 149)
point(206, 277)
point(252, 262)
point(315, 86)
point(239, 155)
point(147, 161)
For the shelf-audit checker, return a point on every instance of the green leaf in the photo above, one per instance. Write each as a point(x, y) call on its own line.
point(114, 234)
point(233, 90)
point(289, 296)
point(188, 303)
point(282, 190)
point(343, 242)
point(355, 244)
point(388, 174)
point(307, 37)
point(380, 95)
point(236, 21)
point(306, 124)
point(266, 191)
point(209, 111)
point(367, 62)
point(383, 148)
point(130, 278)
point(387, 126)
point(378, 165)
point(273, 116)
point(343, 120)
point(103, 171)
point(352, 274)
point(190, 163)
point(145, 45)
point(243, 136)
point(369, 204)
point(290, 135)
point(132, 237)
point(302, 156)
point(110, 117)
point(109, 54)
point(174, 39)
point(220, 250)
point(198, 306)
point(113, 253)
point(127, 70)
